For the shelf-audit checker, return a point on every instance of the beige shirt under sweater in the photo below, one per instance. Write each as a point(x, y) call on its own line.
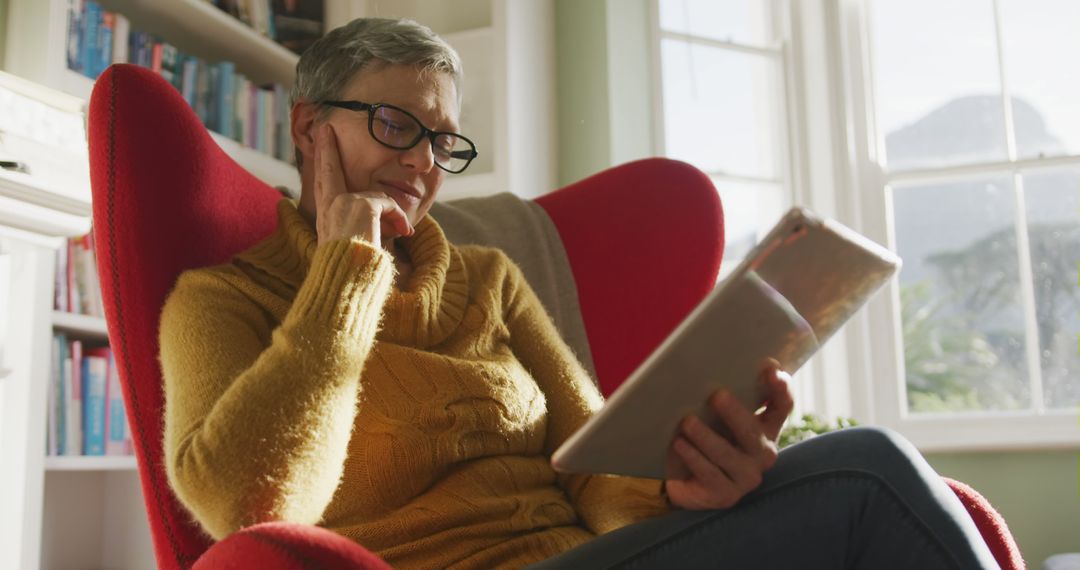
point(301, 385)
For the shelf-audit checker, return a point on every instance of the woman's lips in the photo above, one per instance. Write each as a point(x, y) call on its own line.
point(403, 191)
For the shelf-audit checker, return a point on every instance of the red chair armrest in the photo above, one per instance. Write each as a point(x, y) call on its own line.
point(288, 546)
point(990, 524)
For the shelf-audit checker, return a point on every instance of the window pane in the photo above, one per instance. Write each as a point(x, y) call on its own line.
point(936, 81)
point(1053, 212)
point(750, 211)
point(963, 324)
point(1040, 41)
point(720, 109)
point(740, 21)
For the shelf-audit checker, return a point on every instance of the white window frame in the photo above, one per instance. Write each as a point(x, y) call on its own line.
point(833, 152)
point(884, 389)
point(822, 385)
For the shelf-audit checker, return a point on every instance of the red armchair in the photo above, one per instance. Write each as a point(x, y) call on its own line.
point(156, 174)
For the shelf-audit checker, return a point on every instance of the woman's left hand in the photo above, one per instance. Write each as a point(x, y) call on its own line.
point(722, 470)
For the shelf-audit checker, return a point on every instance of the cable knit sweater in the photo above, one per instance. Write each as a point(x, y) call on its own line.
point(302, 385)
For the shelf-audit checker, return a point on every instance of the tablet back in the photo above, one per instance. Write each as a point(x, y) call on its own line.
point(794, 290)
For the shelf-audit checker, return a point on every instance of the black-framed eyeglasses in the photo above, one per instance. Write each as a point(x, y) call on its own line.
point(398, 129)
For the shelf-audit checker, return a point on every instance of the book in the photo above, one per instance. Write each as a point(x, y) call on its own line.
point(225, 93)
point(156, 54)
point(172, 65)
point(75, 13)
point(121, 40)
point(88, 43)
point(95, 376)
point(103, 49)
point(117, 435)
point(73, 400)
point(298, 23)
point(73, 299)
point(60, 291)
point(202, 91)
point(55, 397)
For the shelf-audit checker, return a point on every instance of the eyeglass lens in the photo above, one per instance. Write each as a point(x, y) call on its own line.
point(397, 129)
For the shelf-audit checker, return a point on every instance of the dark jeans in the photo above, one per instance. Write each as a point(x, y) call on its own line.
point(855, 498)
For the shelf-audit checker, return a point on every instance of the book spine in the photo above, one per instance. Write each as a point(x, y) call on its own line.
point(142, 49)
point(121, 40)
point(74, 35)
point(190, 67)
point(96, 306)
point(105, 42)
point(202, 91)
point(156, 55)
point(60, 302)
point(115, 421)
point(56, 379)
point(73, 408)
point(240, 92)
point(62, 427)
point(84, 275)
point(226, 95)
point(74, 305)
point(283, 144)
point(212, 99)
point(96, 366)
point(269, 106)
point(259, 120)
point(91, 23)
point(172, 65)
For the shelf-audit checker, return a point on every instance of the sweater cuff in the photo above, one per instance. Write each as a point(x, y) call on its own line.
point(346, 286)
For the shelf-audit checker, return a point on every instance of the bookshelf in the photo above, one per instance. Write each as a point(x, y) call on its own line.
point(73, 511)
point(37, 36)
point(83, 512)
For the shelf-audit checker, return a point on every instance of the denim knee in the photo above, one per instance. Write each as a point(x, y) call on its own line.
point(876, 450)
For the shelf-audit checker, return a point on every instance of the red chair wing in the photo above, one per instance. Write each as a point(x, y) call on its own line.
point(645, 241)
point(159, 209)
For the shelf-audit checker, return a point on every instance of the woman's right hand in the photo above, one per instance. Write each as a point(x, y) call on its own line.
point(341, 214)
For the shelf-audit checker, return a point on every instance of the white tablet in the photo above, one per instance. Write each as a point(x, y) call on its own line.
point(790, 294)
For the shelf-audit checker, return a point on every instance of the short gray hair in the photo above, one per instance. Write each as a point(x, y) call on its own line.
point(329, 64)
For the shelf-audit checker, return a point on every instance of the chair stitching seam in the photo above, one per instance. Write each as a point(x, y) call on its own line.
point(136, 418)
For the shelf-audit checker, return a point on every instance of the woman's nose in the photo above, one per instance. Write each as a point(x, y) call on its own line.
point(420, 157)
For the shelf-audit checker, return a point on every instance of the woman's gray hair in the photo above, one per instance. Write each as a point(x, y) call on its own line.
point(328, 65)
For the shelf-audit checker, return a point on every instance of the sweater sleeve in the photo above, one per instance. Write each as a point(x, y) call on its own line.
point(257, 421)
point(604, 502)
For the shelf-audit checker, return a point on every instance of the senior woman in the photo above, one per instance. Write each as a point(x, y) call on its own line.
point(356, 371)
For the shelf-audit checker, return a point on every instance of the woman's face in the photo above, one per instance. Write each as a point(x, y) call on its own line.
point(409, 177)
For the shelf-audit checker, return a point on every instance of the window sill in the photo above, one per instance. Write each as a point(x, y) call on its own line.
point(992, 432)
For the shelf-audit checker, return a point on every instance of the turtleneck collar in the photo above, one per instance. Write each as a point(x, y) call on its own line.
point(422, 313)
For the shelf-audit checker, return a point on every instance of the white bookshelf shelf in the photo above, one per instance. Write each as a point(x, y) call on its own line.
point(201, 29)
point(91, 463)
point(83, 324)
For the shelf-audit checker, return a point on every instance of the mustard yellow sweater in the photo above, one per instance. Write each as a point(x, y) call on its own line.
point(302, 385)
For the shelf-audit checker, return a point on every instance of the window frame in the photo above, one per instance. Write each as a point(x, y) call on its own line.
point(884, 389)
point(832, 150)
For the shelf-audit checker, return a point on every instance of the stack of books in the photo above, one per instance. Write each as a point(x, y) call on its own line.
point(295, 24)
point(226, 101)
point(77, 287)
point(86, 405)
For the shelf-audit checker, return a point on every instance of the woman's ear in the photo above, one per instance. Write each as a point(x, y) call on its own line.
point(302, 124)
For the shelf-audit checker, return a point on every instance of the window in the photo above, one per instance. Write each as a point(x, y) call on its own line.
point(949, 130)
point(971, 110)
point(976, 122)
point(723, 94)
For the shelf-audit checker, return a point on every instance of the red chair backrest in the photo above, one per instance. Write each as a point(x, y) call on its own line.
point(644, 242)
point(165, 199)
